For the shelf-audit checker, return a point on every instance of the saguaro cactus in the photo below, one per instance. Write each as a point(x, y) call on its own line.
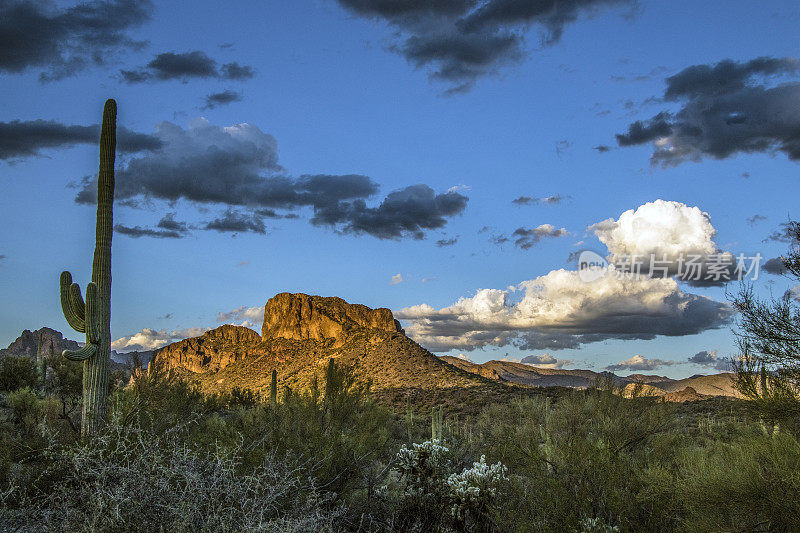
point(94, 316)
point(273, 389)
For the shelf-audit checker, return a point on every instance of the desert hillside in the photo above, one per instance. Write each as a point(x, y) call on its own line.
point(300, 334)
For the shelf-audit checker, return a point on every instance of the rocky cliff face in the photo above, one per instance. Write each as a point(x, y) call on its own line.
point(301, 317)
point(301, 334)
point(211, 351)
point(52, 342)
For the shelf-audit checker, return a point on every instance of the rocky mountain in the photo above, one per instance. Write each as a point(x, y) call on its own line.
point(300, 334)
point(693, 388)
point(47, 340)
point(52, 342)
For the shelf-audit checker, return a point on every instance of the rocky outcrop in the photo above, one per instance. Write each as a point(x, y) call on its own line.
point(300, 317)
point(211, 351)
point(52, 343)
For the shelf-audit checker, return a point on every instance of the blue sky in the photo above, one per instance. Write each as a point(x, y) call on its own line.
point(336, 85)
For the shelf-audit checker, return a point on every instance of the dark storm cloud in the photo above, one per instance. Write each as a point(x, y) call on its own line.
point(709, 359)
point(64, 40)
point(726, 108)
point(235, 71)
point(138, 231)
point(441, 243)
point(238, 222)
point(755, 219)
point(550, 200)
point(182, 66)
point(526, 238)
point(645, 131)
point(221, 98)
point(237, 167)
point(26, 138)
point(774, 266)
point(169, 223)
point(460, 41)
point(725, 77)
point(407, 212)
point(524, 200)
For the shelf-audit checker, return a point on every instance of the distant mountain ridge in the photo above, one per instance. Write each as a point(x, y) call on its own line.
point(52, 342)
point(47, 340)
point(301, 333)
point(525, 374)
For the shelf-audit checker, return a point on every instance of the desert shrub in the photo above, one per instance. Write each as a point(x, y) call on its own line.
point(17, 372)
point(576, 459)
point(132, 479)
point(749, 484)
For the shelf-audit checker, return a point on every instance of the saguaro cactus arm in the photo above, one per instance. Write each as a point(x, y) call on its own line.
point(92, 323)
point(72, 303)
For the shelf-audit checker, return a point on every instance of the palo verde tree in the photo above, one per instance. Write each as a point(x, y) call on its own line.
point(93, 317)
point(768, 366)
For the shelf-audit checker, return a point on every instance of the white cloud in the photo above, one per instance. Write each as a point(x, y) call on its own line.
point(559, 310)
point(545, 361)
point(152, 339)
point(397, 278)
point(639, 363)
point(249, 317)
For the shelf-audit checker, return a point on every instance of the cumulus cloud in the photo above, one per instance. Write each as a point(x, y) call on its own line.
point(637, 363)
point(667, 238)
point(20, 139)
point(724, 109)
point(396, 279)
point(221, 98)
point(459, 41)
point(237, 167)
point(152, 339)
point(65, 40)
point(710, 359)
point(186, 65)
point(559, 310)
point(526, 238)
point(249, 317)
point(545, 361)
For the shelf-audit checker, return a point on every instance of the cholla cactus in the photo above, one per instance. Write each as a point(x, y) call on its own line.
point(424, 467)
point(474, 490)
point(94, 316)
point(597, 525)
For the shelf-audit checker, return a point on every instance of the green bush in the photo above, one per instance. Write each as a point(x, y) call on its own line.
point(17, 372)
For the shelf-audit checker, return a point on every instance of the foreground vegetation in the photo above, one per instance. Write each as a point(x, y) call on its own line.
point(171, 459)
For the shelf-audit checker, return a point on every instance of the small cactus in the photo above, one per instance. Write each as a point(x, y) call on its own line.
point(94, 316)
